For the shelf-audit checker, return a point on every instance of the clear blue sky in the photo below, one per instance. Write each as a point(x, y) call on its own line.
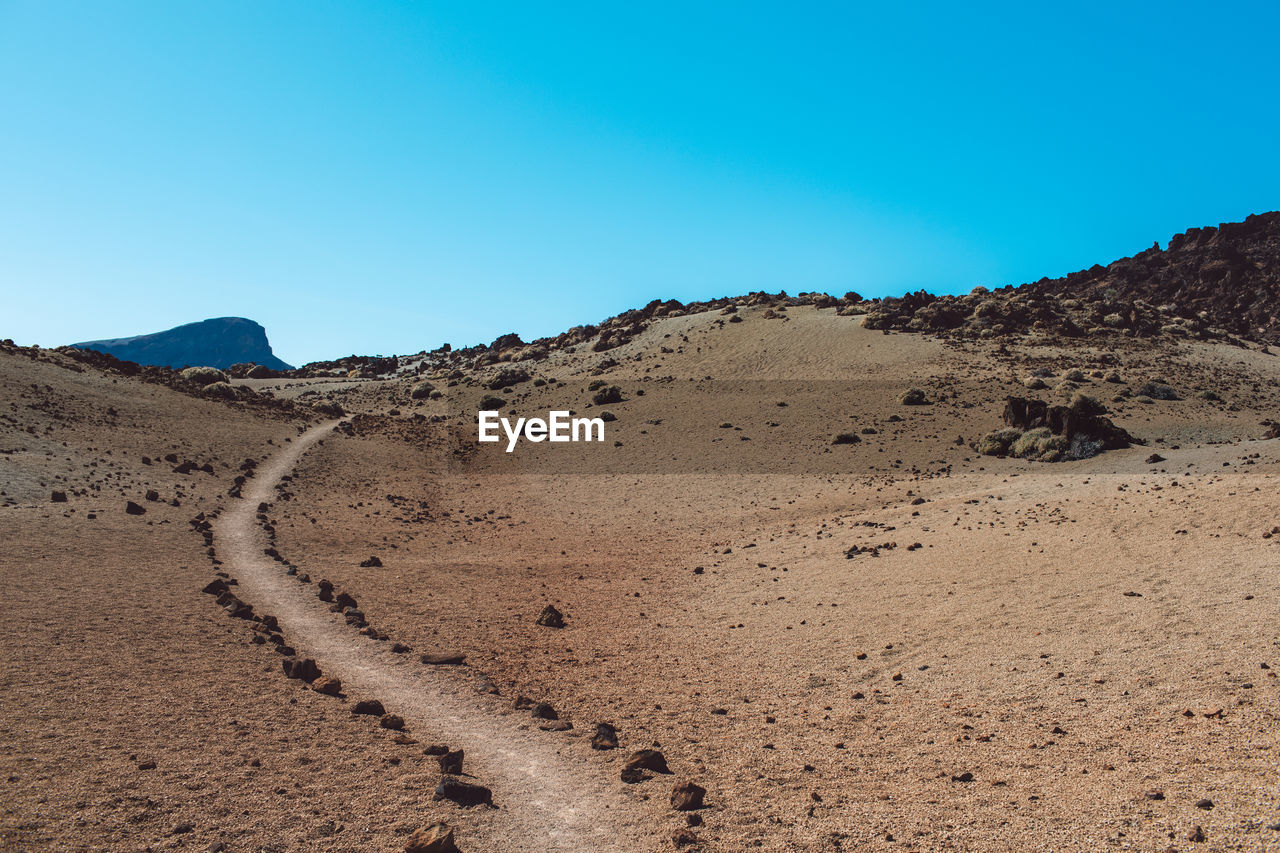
point(382, 177)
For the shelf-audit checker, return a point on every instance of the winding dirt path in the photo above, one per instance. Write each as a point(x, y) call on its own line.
point(548, 798)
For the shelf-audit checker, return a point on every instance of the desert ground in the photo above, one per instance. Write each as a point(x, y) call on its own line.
point(892, 643)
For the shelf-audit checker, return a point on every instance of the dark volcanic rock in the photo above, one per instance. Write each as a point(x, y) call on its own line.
point(1230, 273)
point(633, 775)
point(133, 509)
point(444, 659)
point(220, 343)
point(1082, 420)
point(463, 793)
point(647, 759)
point(1214, 278)
point(687, 796)
point(327, 686)
point(550, 617)
point(368, 706)
point(301, 668)
point(606, 737)
point(451, 762)
point(437, 838)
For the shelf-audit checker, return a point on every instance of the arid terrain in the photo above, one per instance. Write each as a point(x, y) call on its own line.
point(830, 609)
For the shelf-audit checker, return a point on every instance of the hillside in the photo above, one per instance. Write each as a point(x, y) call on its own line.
point(1229, 274)
point(219, 342)
point(1213, 282)
point(823, 605)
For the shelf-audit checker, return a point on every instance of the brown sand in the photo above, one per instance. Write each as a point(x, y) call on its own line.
point(771, 678)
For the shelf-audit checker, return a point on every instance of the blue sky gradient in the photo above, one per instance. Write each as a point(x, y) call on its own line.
point(384, 177)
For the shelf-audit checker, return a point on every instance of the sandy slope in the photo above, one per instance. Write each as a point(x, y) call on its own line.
point(545, 801)
point(768, 676)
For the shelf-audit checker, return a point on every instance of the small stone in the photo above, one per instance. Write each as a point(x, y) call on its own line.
point(556, 726)
point(147, 764)
point(301, 668)
point(632, 775)
point(606, 737)
point(437, 838)
point(544, 711)
point(58, 497)
point(443, 658)
point(182, 829)
point(371, 563)
point(550, 617)
point(395, 722)
point(327, 686)
point(963, 777)
point(1196, 835)
point(133, 509)
point(1205, 804)
point(451, 762)
point(1154, 795)
point(684, 837)
point(368, 706)
point(647, 759)
point(463, 793)
point(687, 796)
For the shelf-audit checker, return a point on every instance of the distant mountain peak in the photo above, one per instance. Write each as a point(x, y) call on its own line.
point(217, 342)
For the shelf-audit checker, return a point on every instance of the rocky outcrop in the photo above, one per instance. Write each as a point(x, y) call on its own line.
point(220, 342)
point(1209, 282)
point(1228, 274)
point(1051, 433)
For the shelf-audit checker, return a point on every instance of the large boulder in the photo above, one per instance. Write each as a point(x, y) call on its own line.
point(1038, 430)
point(1082, 418)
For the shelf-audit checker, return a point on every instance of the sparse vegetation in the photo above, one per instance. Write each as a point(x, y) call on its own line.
point(607, 394)
point(203, 375)
point(1157, 390)
point(913, 397)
